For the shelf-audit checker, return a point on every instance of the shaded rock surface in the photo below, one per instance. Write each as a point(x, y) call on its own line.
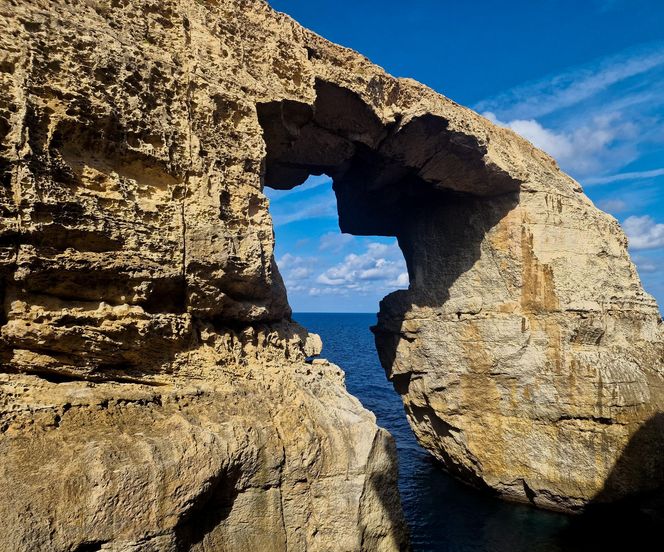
point(154, 392)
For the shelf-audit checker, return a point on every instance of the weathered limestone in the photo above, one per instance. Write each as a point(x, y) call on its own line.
point(224, 456)
point(527, 354)
point(154, 393)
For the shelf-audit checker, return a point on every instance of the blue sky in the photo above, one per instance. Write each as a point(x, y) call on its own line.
point(582, 80)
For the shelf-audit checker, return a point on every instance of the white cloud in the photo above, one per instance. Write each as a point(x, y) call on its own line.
point(326, 207)
point(402, 280)
point(556, 92)
point(643, 232)
point(334, 241)
point(647, 267)
point(289, 261)
point(624, 176)
point(380, 266)
point(590, 147)
point(299, 273)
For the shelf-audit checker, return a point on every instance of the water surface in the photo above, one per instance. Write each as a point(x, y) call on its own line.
point(444, 515)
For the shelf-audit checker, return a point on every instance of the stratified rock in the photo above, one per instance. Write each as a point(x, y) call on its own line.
point(154, 392)
point(154, 395)
point(225, 456)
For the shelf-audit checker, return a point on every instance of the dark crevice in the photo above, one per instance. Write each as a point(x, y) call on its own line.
point(3, 310)
point(210, 509)
point(90, 546)
point(530, 494)
point(165, 296)
point(69, 377)
point(57, 377)
point(596, 419)
point(401, 382)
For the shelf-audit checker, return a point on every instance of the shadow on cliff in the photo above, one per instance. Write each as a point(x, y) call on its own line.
point(635, 520)
point(382, 485)
point(442, 238)
point(211, 508)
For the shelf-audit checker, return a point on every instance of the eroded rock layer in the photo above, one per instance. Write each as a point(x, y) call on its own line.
point(154, 392)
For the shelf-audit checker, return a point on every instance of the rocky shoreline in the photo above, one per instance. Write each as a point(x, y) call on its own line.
point(155, 394)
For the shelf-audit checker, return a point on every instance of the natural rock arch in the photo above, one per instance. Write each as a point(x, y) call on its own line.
point(148, 361)
point(510, 376)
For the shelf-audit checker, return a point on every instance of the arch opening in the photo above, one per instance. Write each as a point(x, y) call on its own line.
point(323, 269)
point(390, 173)
point(397, 175)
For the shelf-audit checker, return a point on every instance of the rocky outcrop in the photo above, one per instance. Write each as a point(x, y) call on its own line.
point(227, 455)
point(154, 393)
point(528, 357)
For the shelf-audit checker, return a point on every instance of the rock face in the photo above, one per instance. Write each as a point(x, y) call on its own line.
point(154, 393)
point(528, 357)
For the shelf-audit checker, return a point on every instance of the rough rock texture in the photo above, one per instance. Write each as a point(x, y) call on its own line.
point(528, 357)
point(154, 395)
point(154, 392)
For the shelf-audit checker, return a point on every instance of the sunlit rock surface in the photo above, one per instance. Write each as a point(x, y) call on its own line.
point(154, 394)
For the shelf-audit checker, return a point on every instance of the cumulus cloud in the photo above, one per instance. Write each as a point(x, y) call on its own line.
point(643, 232)
point(379, 266)
point(299, 273)
point(402, 280)
point(289, 261)
point(296, 269)
point(595, 118)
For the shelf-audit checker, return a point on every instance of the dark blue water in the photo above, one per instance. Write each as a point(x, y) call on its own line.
point(443, 514)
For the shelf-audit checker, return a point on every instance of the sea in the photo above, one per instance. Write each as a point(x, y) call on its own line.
point(444, 515)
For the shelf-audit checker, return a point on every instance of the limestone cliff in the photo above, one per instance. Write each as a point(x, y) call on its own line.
point(154, 395)
point(154, 392)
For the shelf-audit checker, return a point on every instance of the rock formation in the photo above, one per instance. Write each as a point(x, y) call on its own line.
point(154, 393)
